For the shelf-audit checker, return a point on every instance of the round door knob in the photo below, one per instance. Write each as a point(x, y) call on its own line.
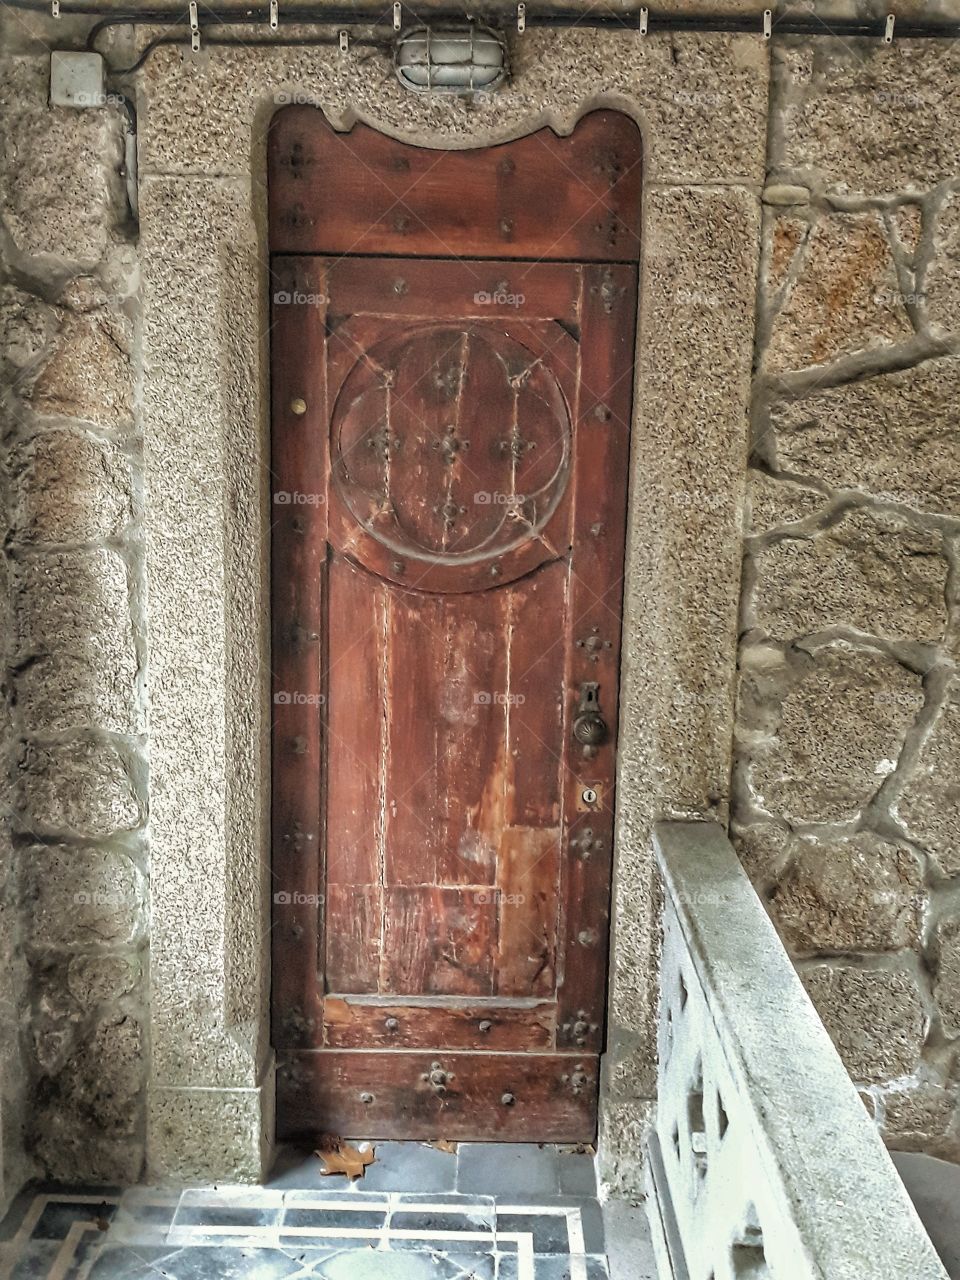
point(590, 728)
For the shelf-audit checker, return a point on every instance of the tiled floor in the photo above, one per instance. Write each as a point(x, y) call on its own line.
point(488, 1212)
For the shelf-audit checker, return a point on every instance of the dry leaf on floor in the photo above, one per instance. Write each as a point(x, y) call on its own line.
point(444, 1144)
point(339, 1157)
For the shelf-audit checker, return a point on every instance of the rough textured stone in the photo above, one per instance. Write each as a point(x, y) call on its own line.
point(207, 579)
point(624, 1128)
point(784, 236)
point(703, 99)
point(819, 740)
point(88, 373)
point(698, 241)
point(74, 643)
point(105, 1074)
point(920, 1115)
point(27, 325)
point(861, 894)
point(764, 849)
point(895, 436)
point(101, 979)
point(869, 570)
point(79, 785)
point(875, 1018)
point(68, 1151)
point(773, 502)
point(69, 486)
point(863, 116)
point(846, 297)
point(941, 281)
point(785, 193)
point(80, 897)
point(929, 806)
point(62, 193)
point(946, 990)
point(204, 1134)
point(907, 222)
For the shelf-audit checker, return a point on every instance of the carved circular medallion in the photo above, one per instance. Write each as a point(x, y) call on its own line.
point(451, 444)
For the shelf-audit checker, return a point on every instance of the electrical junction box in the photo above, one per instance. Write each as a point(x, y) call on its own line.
point(77, 80)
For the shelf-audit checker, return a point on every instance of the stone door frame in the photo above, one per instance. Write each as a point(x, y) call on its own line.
point(202, 149)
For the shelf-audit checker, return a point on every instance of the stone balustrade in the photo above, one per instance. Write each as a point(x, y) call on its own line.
point(764, 1162)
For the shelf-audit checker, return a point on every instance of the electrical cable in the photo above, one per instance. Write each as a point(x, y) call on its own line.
point(227, 15)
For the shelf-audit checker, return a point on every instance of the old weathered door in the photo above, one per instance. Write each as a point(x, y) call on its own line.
point(452, 338)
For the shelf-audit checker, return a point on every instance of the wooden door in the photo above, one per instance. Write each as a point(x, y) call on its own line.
point(452, 339)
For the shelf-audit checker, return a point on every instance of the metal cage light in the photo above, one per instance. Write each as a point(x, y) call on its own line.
point(464, 59)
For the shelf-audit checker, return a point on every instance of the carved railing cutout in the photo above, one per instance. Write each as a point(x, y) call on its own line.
point(763, 1163)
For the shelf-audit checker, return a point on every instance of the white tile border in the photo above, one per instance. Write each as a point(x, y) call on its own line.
point(198, 1235)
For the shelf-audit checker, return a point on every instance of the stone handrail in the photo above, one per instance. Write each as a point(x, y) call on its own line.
point(763, 1162)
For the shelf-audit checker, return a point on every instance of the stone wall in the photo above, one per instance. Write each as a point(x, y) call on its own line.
point(847, 783)
point(75, 747)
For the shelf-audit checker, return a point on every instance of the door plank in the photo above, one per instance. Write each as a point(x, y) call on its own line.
point(356, 722)
point(392, 1023)
point(437, 941)
point(535, 699)
point(526, 896)
point(553, 1095)
point(593, 645)
point(298, 553)
point(444, 788)
point(365, 193)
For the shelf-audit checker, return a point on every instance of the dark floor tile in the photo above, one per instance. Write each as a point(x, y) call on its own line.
point(453, 1198)
point(19, 1205)
point(482, 1266)
point(130, 1262)
point(427, 1245)
point(502, 1168)
point(431, 1220)
point(327, 1244)
point(578, 1174)
point(218, 1262)
point(549, 1232)
point(411, 1166)
point(591, 1214)
point(352, 1219)
point(295, 1169)
point(336, 1194)
point(150, 1215)
point(59, 1216)
point(35, 1261)
point(225, 1215)
point(552, 1267)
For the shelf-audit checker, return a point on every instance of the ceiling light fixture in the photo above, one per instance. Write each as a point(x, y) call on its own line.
point(450, 59)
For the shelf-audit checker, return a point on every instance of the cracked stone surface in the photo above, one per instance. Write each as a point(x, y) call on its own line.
point(859, 894)
point(894, 437)
point(869, 570)
point(929, 806)
point(846, 298)
point(828, 729)
point(847, 795)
